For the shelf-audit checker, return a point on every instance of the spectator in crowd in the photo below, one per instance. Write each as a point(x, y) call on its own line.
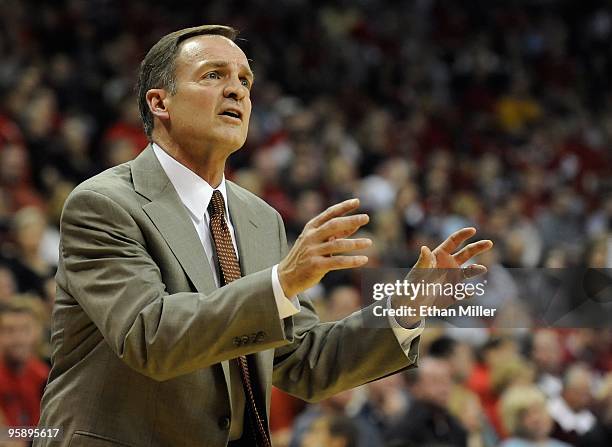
point(468, 410)
point(16, 188)
point(561, 223)
point(384, 402)
point(128, 128)
point(427, 421)
point(526, 418)
point(332, 431)
point(284, 409)
point(512, 372)
point(601, 433)
point(590, 346)
point(547, 357)
point(339, 405)
point(68, 158)
point(494, 353)
point(570, 411)
point(7, 284)
point(459, 355)
point(598, 252)
point(517, 109)
point(342, 301)
point(30, 269)
point(22, 374)
point(463, 403)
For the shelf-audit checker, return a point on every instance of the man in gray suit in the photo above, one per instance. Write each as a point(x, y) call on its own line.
point(178, 302)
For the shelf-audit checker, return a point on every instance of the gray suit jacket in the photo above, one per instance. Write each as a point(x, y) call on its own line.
point(142, 336)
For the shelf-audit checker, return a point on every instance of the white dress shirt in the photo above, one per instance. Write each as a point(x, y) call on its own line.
point(195, 193)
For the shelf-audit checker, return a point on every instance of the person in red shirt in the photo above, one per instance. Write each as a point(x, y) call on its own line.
point(22, 374)
point(496, 351)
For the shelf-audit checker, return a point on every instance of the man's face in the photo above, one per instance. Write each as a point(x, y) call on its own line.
point(461, 362)
point(211, 106)
point(17, 336)
point(547, 353)
point(7, 285)
point(535, 422)
point(318, 435)
point(435, 383)
point(578, 395)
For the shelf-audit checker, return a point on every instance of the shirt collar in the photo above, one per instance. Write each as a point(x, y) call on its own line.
point(193, 190)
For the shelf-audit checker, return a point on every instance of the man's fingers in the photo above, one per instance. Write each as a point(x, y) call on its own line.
point(474, 270)
point(340, 226)
point(457, 275)
point(471, 250)
point(425, 267)
point(341, 262)
point(456, 239)
point(345, 234)
point(335, 246)
point(337, 210)
point(426, 260)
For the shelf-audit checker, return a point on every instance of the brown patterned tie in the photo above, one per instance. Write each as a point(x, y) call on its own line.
point(230, 271)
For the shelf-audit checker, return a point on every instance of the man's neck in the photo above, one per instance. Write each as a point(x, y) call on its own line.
point(207, 164)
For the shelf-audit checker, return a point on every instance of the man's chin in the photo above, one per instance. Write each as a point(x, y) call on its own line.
point(228, 147)
point(231, 145)
point(219, 144)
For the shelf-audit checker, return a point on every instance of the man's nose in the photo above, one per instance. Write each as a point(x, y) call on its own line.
point(235, 89)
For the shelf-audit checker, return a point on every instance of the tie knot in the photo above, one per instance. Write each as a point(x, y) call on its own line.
point(216, 207)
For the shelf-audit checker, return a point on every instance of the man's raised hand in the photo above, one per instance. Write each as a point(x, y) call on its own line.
point(443, 257)
point(441, 265)
point(318, 250)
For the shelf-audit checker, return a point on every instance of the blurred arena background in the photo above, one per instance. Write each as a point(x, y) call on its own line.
point(437, 114)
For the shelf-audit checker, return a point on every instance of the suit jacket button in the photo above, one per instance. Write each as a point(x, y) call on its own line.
point(224, 423)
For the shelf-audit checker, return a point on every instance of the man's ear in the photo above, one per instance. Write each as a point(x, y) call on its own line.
point(157, 99)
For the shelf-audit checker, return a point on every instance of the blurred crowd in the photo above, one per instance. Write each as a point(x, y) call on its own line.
point(437, 114)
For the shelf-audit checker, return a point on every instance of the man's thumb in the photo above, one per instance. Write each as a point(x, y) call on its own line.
point(425, 260)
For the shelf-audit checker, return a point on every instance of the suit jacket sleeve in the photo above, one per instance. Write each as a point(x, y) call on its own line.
point(327, 358)
point(106, 268)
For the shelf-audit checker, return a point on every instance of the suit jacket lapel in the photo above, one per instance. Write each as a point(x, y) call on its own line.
point(171, 219)
point(245, 223)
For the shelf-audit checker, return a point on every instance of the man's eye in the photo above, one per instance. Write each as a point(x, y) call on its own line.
point(246, 83)
point(212, 75)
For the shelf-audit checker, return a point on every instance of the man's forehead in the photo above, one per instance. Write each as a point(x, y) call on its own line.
point(211, 47)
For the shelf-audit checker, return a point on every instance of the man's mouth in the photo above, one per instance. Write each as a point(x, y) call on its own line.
point(233, 113)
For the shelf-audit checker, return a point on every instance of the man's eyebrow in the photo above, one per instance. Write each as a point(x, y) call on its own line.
point(223, 64)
